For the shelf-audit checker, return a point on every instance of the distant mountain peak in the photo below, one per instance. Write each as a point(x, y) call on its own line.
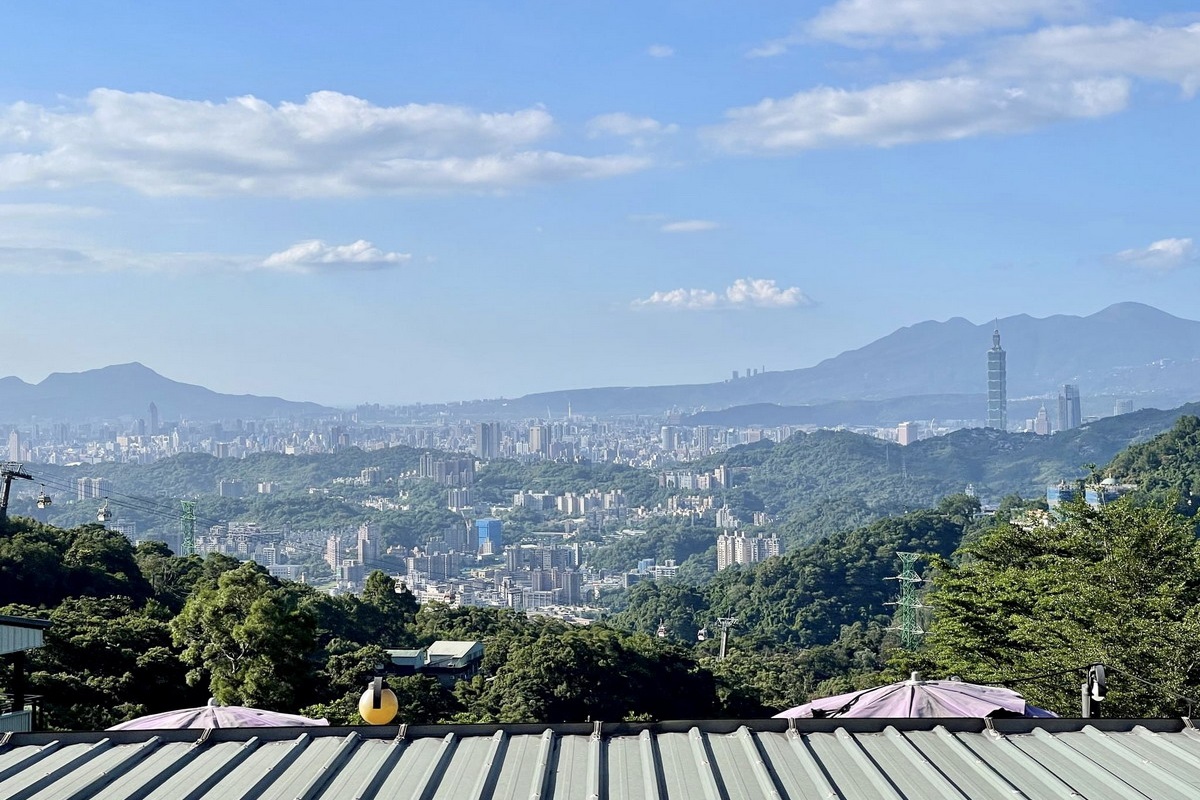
point(125, 390)
point(1131, 309)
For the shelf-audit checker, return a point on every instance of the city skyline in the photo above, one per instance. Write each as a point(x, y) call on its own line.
point(376, 204)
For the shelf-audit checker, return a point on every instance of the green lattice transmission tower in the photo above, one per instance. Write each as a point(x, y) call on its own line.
point(908, 607)
point(188, 524)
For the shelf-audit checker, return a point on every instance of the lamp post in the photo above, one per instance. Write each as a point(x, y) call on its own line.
point(378, 704)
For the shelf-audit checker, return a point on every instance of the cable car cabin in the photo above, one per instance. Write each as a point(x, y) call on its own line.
point(104, 515)
point(43, 499)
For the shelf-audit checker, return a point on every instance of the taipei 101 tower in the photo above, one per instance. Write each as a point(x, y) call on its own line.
point(997, 385)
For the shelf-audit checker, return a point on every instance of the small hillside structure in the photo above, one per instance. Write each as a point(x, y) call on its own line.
point(17, 635)
point(448, 661)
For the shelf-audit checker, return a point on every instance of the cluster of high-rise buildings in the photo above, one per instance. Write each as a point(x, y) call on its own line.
point(739, 547)
point(1070, 411)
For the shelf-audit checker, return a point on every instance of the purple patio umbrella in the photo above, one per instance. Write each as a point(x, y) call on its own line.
point(918, 698)
point(215, 715)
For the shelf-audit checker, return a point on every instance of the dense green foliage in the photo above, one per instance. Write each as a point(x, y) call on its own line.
point(501, 479)
point(191, 474)
point(1166, 468)
point(1119, 585)
point(139, 631)
point(805, 597)
point(827, 481)
point(1017, 598)
point(136, 631)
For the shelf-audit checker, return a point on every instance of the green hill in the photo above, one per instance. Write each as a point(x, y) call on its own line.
point(831, 480)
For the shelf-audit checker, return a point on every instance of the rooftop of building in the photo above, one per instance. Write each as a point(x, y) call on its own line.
point(731, 759)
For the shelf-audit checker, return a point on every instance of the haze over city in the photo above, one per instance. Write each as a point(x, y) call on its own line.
point(373, 202)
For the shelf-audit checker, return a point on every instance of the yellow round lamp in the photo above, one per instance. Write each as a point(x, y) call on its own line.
point(378, 704)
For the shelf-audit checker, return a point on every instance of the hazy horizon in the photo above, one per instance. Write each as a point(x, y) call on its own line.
point(374, 203)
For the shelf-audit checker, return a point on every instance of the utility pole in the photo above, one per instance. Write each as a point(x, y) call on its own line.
point(909, 605)
point(726, 623)
point(8, 471)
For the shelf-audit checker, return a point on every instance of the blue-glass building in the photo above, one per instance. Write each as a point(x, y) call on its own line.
point(491, 542)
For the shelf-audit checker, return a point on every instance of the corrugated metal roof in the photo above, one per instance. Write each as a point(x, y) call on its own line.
point(709, 760)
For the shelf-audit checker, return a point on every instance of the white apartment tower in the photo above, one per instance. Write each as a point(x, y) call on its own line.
point(738, 548)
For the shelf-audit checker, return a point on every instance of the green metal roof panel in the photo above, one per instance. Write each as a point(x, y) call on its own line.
point(721, 760)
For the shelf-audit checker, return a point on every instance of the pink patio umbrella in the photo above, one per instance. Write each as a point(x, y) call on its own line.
point(215, 715)
point(918, 698)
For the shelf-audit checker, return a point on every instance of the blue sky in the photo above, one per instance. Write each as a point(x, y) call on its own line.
point(393, 202)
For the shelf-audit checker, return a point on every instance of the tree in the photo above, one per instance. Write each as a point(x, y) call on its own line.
point(104, 661)
point(393, 612)
point(1118, 585)
point(252, 639)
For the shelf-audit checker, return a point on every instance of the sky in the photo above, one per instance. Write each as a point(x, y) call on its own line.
point(399, 202)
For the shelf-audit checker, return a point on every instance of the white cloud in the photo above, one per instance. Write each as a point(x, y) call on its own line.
point(1016, 83)
point(743, 293)
point(1121, 47)
point(763, 293)
point(928, 22)
point(684, 299)
point(1165, 254)
point(303, 257)
point(66, 260)
point(689, 226)
point(638, 129)
point(331, 144)
point(48, 210)
point(660, 51)
point(911, 111)
point(775, 47)
point(314, 254)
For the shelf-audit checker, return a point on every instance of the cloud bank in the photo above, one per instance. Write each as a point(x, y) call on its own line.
point(332, 144)
point(744, 293)
point(929, 22)
point(911, 111)
point(1011, 84)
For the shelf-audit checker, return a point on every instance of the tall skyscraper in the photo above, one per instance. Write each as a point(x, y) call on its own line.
point(1069, 415)
point(997, 385)
point(1041, 423)
point(539, 439)
point(487, 440)
point(154, 429)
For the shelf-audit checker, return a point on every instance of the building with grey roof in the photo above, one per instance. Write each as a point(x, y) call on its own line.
point(18, 711)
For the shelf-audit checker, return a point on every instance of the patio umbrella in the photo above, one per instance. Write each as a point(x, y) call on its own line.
point(215, 715)
point(918, 698)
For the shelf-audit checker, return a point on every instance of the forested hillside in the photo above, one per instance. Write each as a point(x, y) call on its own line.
point(135, 631)
point(1165, 468)
point(818, 483)
point(1032, 605)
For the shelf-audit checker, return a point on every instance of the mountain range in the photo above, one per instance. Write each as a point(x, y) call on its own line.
point(1128, 350)
point(930, 370)
point(127, 390)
